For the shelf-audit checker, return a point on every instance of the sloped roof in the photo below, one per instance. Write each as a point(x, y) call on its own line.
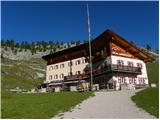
point(129, 47)
point(107, 35)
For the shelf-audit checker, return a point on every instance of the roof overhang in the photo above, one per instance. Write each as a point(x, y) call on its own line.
point(97, 43)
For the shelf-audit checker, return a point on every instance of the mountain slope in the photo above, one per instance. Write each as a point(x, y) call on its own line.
point(22, 73)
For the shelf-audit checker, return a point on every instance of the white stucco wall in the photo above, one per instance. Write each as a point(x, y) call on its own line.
point(65, 70)
point(139, 79)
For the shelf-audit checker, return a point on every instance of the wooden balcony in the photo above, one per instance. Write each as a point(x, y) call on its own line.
point(116, 69)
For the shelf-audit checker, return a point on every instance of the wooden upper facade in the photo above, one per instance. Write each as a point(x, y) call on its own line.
point(106, 44)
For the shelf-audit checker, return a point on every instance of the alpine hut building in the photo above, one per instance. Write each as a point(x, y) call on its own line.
point(117, 64)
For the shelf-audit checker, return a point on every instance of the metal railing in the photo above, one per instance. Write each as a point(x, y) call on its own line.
point(107, 68)
point(117, 68)
point(125, 69)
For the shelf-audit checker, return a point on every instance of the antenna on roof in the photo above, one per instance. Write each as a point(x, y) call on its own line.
point(89, 38)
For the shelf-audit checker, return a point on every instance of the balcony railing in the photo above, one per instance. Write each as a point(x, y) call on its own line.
point(106, 69)
point(117, 68)
point(129, 69)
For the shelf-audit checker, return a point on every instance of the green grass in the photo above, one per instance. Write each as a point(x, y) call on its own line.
point(153, 72)
point(11, 81)
point(18, 105)
point(20, 73)
point(148, 99)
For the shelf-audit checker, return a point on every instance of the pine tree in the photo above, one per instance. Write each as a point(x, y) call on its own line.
point(17, 45)
point(157, 50)
point(85, 41)
point(2, 43)
point(12, 43)
point(68, 45)
point(62, 43)
point(22, 45)
point(26, 45)
point(72, 42)
point(50, 43)
point(148, 47)
point(78, 42)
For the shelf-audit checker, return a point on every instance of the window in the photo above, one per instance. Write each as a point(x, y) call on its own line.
point(70, 74)
point(130, 64)
point(50, 77)
point(84, 60)
point(62, 66)
point(61, 75)
point(51, 68)
point(120, 63)
point(78, 62)
point(139, 65)
point(70, 63)
point(56, 76)
point(56, 67)
point(78, 72)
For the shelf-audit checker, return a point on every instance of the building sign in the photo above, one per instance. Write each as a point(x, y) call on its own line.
point(116, 50)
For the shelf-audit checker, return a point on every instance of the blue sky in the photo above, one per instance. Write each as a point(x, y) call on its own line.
point(65, 21)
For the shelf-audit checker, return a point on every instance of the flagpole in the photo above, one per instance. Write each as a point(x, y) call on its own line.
point(89, 38)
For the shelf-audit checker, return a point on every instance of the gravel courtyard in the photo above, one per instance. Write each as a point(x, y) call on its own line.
point(107, 104)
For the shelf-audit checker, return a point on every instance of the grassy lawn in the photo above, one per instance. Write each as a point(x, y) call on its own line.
point(153, 72)
point(19, 105)
point(148, 99)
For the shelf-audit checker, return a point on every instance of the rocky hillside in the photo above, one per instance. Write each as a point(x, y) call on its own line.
point(22, 73)
point(23, 55)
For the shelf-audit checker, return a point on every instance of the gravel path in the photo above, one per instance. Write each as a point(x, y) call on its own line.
point(112, 104)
